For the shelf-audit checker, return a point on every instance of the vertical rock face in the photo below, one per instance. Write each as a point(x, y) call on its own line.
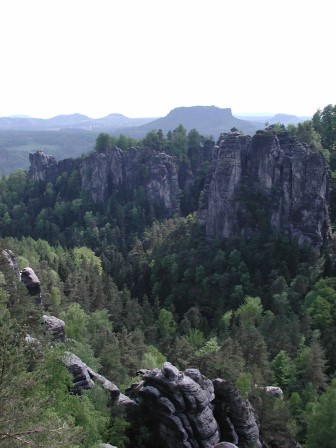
point(218, 202)
point(266, 182)
point(236, 415)
point(113, 170)
point(42, 166)
point(11, 260)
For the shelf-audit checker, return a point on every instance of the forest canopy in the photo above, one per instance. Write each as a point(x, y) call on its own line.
point(135, 290)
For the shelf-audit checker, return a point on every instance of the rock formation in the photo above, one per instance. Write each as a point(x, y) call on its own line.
point(181, 405)
point(42, 167)
point(181, 409)
point(11, 261)
point(266, 182)
point(55, 327)
point(113, 171)
point(235, 415)
point(31, 281)
point(254, 184)
point(85, 378)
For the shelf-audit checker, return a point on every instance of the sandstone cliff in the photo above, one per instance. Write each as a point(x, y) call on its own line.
point(254, 185)
point(266, 182)
point(113, 170)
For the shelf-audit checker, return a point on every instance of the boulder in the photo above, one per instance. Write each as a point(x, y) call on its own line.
point(55, 326)
point(31, 281)
point(274, 390)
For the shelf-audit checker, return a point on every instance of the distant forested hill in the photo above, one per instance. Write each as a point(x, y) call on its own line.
point(208, 120)
point(15, 146)
point(72, 135)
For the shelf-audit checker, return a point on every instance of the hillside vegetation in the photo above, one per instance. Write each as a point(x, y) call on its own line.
point(136, 288)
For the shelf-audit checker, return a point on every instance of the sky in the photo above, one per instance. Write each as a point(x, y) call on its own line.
point(143, 58)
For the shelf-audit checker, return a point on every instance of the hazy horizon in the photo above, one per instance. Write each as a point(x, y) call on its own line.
point(98, 57)
point(245, 114)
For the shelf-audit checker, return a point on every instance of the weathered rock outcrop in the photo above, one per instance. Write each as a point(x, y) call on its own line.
point(266, 182)
point(55, 327)
point(184, 409)
point(235, 415)
point(42, 167)
point(113, 170)
point(11, 261)
point(181, 408)
point(85, 378)
point(31, 281)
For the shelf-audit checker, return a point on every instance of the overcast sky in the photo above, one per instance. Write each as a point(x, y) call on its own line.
point(143, 58)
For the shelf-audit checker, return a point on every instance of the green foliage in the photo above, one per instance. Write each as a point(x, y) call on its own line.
point(250, 313)
point(103, 142)
point(135, 290)
point(320, 304)
point(195, 338)
point(76, 321)
point(37, 398)
point(283, 370)
point(244, 384)
point(166, 324)
point(152, 359)
point(324, 122)
point(83, 256)
point(211, 346)
point(306, 132)
point(322, 421)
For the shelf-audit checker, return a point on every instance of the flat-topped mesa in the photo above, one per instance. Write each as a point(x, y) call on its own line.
point(113, 170)
point(266, 182)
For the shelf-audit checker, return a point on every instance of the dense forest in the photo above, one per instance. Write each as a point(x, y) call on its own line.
point(136, 288)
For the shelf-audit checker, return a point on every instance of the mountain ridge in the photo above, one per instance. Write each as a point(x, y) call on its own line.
point(199, 117)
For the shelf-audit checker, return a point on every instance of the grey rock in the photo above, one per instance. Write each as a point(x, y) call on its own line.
point(112, 170)
point(81, 376)
point(225, 445)
point(166, 405)
point(170, 371)
point(55, 326)
point(85, 378)
point(274, 390)
point(31, 281)
point(32, 341)
point(289, 180)
point(229, 404)
point(180, 406)
point(105, 383)
point(42, 167)
point(127, 403)
point(106, 445)
point(11, 260)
